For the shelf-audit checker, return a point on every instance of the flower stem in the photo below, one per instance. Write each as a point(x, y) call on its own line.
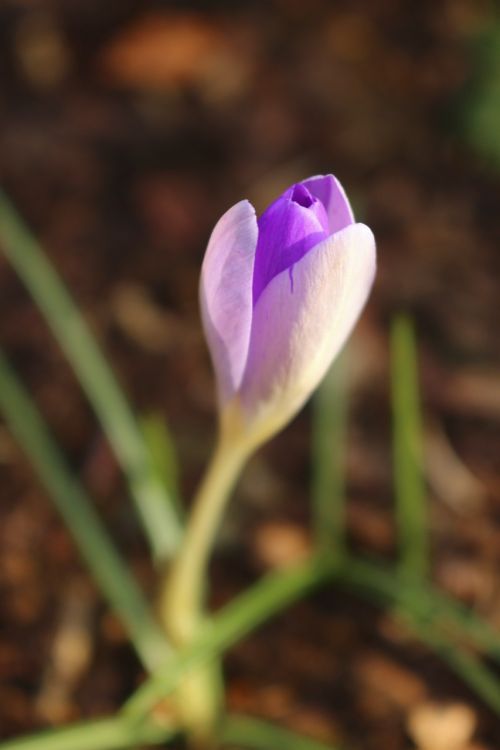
point(182, 592)
point(183, 588)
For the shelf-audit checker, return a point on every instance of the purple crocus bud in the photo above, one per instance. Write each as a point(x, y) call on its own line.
point(280, 295)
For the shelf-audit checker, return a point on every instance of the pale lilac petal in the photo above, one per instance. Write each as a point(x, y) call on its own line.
point(289, 228)
point(301, 321)
point(331, 193)
point(226, 294)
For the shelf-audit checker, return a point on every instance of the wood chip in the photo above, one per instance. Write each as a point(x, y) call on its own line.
point(442, 727)
point(162, 49)
point(393, 682)
point(279, 544)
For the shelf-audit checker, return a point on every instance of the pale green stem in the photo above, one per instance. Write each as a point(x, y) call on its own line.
point(182, 591)
point(268, 597)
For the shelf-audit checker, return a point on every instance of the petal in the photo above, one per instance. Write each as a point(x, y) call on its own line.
point(301, 321)
point(288, 229)
point(331, 193)
point(226, 294)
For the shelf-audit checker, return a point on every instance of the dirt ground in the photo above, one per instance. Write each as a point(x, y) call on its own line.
point(126, 129)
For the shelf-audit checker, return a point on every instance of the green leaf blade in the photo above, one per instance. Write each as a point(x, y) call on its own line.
point(330, 407)
point(256, 734)
point(76, 509)
point(409, 488)
point(153, 505)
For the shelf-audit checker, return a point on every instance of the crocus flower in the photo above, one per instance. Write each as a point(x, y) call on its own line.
point(280, 295)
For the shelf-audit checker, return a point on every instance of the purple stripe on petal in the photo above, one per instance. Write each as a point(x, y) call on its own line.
point(288, 229)
point(295, 336)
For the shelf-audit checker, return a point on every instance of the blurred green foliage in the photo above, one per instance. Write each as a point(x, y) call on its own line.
point(478, 105)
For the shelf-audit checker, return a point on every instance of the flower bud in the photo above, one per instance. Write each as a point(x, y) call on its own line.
point(279, 296)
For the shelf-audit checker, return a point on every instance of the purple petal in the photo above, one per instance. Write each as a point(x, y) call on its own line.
point(331, 194)
point(226, 294)
point(296, 332)
point(288, 229)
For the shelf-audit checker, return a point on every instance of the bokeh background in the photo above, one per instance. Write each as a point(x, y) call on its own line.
point(126, 129)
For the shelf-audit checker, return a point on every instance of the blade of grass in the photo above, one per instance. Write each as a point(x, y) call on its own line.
point(411, 510)
point(256, 734)
point(153, 505)
point(473, 672)
point(444, 625)
point(75, 507)
point(101, 734)
point(330, 406)
point(161, 448)
point(385, 587)
point(266, 598)
point(277, 590)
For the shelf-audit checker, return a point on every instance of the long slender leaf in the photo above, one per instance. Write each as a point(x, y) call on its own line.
point(72, 502)
point(469, 667)
point(447, 627)
point(411, 507)
point(256, 734)
point(387, 587)
point(157, 513)
point(163, 457)
point(384, 586)
point(265, 599)
point(277, 590)
point(328, 491)
point(102, 734)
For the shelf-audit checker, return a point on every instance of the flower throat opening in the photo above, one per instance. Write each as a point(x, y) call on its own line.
point(302, 196)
